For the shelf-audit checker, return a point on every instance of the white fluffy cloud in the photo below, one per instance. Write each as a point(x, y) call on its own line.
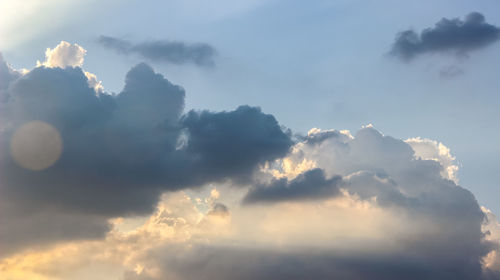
point(70, 55)
point(64, 55)
point(433, 150)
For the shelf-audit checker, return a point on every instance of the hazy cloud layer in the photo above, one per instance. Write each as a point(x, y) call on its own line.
point(219, 263)
point(448, 35)
point(163, 51)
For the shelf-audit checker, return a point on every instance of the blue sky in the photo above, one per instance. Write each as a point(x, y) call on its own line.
point(311, 64)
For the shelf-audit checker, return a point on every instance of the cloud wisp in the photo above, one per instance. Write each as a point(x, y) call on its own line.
point(163, 51)
point(447, 36)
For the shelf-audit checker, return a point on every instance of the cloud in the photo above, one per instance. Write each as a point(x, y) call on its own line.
point(233, 141)
point(173, 52)
point(427, 149)
point(119, 152)
point(492, 260)
point(450, 72)
point(133, 192)
point(220, 263)
point(448, 35)
point(70, 55)
point(63, 55)
point(219, 209)
point(311, 184)
point(7, 76)
point(342, 238)
point(370, 165)
point(389, 172)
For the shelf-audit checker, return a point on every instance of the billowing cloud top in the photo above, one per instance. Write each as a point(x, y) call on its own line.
point(64, 55)
point(448, 35)
point(135, 184)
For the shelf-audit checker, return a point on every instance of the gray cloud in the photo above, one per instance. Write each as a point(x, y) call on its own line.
point(119, 152)
point(208, 262)
point(173, 52)
point(448, 35)
point(219, 209)
point(311, 184)
point(233, 141)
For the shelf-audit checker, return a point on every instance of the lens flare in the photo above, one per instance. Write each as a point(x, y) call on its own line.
point(36, 145)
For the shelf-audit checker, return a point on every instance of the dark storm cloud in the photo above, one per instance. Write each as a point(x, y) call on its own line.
point(119, 152)
point(233, 141)
point(448, 35)
point(311, 184)
point(164, 51)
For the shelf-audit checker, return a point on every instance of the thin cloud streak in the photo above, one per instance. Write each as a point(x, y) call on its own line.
point(163, 51)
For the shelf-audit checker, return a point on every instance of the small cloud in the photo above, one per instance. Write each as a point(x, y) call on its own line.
point(450, 72)
point(219, 209)
point(63, 55)
point(448, 35)
point(69, 55)
point(173, 52)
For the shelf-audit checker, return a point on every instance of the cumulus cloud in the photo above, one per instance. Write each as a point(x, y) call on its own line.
point(70, 55)
point(234, 141)
point(392, 174)
point(492, 230)
point(63, 55)
point(427, 149)
point(164, 51)
point(396, 216)
point(133, 191)
point(448, 35)
point(119, 152)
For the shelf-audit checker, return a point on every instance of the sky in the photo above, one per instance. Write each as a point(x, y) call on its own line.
point(287, 139)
